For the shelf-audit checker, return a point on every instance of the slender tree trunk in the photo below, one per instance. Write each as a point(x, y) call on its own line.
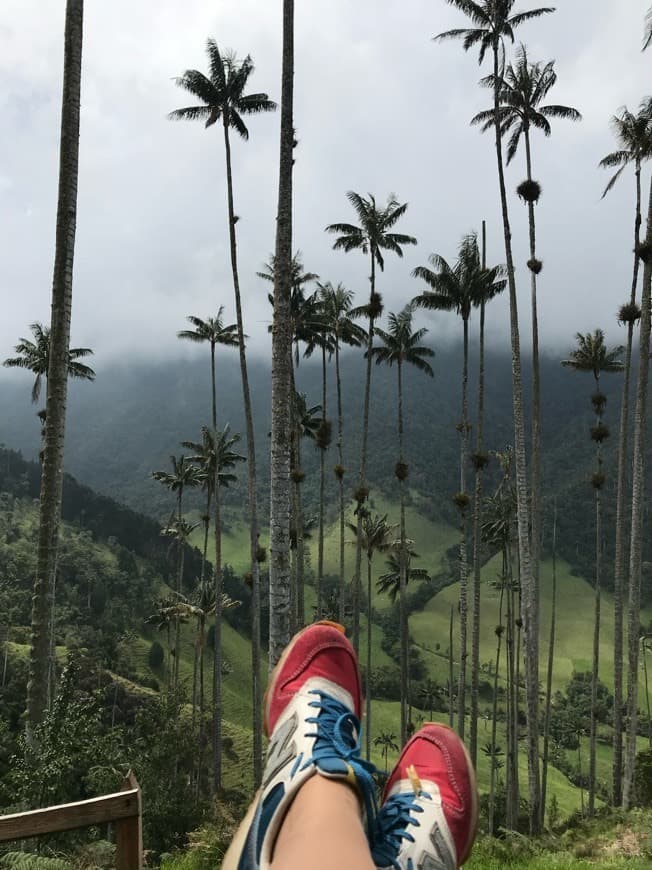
point(322, 473)
point(217, 650)
point(251, 481)
point(638, 499)
point(57, 382)
point(477, 525)
point(180, 565)
point(362, 479)
point(492, 774)
point(593, 735)
point(340, 459)
point(301, 555)
point(464, 568)
point(551, 662)
point(510, 820)
point(405, 631)
point(451, 711)
point(279, 578)
point(530, 602)
point(202, 573)
point(621, 520)
point(535, 460)
point(368, 675)
point(202, 644)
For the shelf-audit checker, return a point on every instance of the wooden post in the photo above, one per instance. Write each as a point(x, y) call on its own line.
point(129, 832)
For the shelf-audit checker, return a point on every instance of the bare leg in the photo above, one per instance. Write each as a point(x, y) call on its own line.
point(323, 830)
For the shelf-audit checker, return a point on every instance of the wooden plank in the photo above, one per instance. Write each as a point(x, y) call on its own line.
point(67, 817)
point(129, 833)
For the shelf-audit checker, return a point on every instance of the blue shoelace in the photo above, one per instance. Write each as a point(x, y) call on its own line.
point(338, 739)
point(392, 826)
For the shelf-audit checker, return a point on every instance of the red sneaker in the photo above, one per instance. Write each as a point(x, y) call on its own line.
point(429, 815)
point(312, 717)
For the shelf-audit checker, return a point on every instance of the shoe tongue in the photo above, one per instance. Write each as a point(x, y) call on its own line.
point(406, 786)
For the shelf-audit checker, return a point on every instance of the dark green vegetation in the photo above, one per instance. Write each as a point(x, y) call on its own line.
point(145, 638)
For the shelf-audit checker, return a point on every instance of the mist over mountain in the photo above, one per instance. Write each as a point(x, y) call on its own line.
point(130, 420)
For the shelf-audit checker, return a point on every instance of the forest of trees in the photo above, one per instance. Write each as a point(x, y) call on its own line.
point(119, 576)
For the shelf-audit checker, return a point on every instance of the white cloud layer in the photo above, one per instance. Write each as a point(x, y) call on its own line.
point(379, 107)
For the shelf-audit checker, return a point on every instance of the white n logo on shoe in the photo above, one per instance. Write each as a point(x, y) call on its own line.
point(443, 860)
point(281, 749)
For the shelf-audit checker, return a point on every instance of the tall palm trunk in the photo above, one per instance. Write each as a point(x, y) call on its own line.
point(593, 735)
point(647, 690)
point(511, 808)
point(477, 522)
point(464, 570)
point(251, 477)
point(530, 604)
point(202, 574)
point(551, 662)
point(403, 614)
point(279, 578)
point(367, 690)
point(57, 383)
point(362, 479)
point(217, 646)
point(492, 774)
point(340, 475)
point(301, 557)
point(535, 459)
point(621, 518)
point(638, 498)
point(181, 553)
point(322, 472)
point(451, 711)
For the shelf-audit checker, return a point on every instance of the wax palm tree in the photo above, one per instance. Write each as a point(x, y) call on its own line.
point(222, 98)
point(522, 90)
point(183, 475)
point(460, 288)
point(400, 346)
point(389, 583)
point(216, 458)
point(58, 371)
point(633, 133)
point(591, 355)
point(304, 325)
point(282, 385)
point(638, 498)
point(213, 332)
point(372, 235)
point(377, 535)
point(387, 743)
point(35, 357)
point(479, 459)
point(493, 22)
point(339, 316)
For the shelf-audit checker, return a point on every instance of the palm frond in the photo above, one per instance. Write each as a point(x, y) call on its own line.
point(522, 17)
point(216, 64)
point(254, 104)
point(197, 84)
point(613, 181)
point(191, 113)
point(238, 124)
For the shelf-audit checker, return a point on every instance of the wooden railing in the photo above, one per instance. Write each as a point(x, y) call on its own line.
point(124, 808)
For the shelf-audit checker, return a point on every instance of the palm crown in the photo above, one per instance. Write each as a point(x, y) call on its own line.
point(339, 315)
point(591, 355)
point(215, 453)
point(373, 233)
point(390, 582)
point(634, 135)
point(377, 534)
point(211, 330)
point(460, 287)
point(493, 22)
point(401, 345)
point(35, 357)
point(522, 89)
point(222, 92)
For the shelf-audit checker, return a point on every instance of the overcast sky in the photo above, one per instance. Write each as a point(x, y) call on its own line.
point(379, 107)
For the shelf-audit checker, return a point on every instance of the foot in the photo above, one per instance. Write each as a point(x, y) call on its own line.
point(312, 716)
point(429, 814)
